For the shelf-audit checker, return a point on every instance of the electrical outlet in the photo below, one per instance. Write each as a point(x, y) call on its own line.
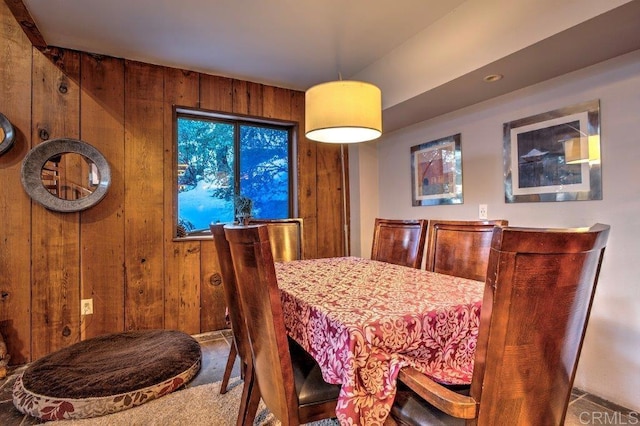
point(86, 306)
point(482, 211)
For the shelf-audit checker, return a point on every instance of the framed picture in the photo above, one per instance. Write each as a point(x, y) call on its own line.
point(436, 172)
point(554, 156)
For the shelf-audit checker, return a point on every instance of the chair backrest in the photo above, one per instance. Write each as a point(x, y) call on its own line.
point(538, 295)
point(460, 248)
point(285, 236)
point(399, 241)
point(260, 296)
point(231, 294)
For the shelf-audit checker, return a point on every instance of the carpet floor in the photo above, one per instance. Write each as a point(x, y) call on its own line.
point(194, 406)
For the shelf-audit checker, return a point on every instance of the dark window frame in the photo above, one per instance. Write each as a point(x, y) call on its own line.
point(237, 120)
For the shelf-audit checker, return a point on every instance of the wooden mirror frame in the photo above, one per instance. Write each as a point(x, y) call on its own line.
point(40, 154)
point(9, 134)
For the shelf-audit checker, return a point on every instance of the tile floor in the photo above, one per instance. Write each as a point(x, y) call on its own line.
point(584, 409)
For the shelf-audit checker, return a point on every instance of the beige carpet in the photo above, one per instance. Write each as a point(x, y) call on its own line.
point(196, 406)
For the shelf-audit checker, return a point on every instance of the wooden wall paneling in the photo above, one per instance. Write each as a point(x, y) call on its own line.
point(182, 258)
point(212, 313)
point(216, 93)
point(254, 94)
point(144, 196)
point(277, 102)
point(15, 234)
point(307, 180)
point(23, 17)
point(247, 98)
point(182, 286)
point(240, 99)
point(102, 226)
point(330, 201)
point(40, 304)
point(55, 288)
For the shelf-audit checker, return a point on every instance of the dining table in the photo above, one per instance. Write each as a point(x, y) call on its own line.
point(363, 320)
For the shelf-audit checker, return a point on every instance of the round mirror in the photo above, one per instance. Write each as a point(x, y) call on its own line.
point(65, 175)
point(70, 176)
point(6, 134)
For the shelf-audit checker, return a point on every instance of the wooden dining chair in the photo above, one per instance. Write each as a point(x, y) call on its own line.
point(287, 378)
point(285, 236)
point(460, 248)
point(240, 345)
point(538, 295)
point(399, 241)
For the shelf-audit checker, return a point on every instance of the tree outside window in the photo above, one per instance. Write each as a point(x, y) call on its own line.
point(219, 158)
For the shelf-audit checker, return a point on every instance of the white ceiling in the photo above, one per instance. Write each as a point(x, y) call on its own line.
point(427, 56)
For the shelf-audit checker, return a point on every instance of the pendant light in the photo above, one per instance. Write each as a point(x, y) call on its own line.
point(343, 112)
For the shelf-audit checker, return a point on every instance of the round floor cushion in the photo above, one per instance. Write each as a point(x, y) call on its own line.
point(107, 374)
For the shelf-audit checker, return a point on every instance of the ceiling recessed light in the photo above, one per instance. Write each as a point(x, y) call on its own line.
point(493, 77)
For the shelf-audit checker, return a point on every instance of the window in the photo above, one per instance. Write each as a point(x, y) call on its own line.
point(220, 157)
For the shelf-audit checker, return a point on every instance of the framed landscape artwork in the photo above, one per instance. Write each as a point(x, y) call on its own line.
point(436, 172)
point(554, 156)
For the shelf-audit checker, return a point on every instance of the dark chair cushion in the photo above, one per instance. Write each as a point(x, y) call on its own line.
point(410, 409)
point(310, 385)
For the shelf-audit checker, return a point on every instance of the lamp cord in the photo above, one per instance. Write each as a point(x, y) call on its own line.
point(344, 202)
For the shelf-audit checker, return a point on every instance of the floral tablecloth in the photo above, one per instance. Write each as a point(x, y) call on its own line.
point(363, 320)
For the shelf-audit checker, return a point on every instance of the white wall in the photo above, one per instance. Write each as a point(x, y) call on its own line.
point(610, 363)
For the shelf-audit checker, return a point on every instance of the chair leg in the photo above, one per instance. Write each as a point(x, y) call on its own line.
point(227, 370)
point(250, 398)
point(243, 368)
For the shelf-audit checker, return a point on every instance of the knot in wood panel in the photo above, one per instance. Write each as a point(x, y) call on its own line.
point(215, 279)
